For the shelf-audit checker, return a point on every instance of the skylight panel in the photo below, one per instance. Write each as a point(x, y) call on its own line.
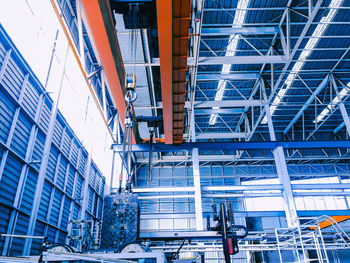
point(310, 45)
point(344, 92)
point(230, 51)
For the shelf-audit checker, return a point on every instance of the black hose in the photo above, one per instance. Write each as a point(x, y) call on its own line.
point(175, 254)
point(241, 227)
point(150, 157)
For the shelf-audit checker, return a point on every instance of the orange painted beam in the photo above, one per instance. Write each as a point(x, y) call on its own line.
point(181, 25)
point(337, 219)
point(97, 16)
point(164, 21)
point(72, 46)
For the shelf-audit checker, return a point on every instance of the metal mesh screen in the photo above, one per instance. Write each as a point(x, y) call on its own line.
point(120, 221)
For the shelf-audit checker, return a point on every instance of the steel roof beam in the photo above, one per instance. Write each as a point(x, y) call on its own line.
point(339, 127)
point(257, 187)
point(277, 24)
point(227, 103)
point(220, 103)
point(270, 8)
point(162, 189)
point(233, 146)
point(234, 76)
point(268, 38)
point(248, 214)
point(240, 60)
point(269, 187)
point(233, 60)
point(226, 31)
point(217, 111)
point(221, 135)
point(306, 28)
point(234, 158)
point(307, 104)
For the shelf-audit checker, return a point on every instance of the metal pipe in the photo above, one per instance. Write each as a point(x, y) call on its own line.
point(21, 236)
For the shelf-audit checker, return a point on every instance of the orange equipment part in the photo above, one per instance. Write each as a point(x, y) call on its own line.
point(181, 24)
point(70, 42)
point(154, 140)
point(327, 223)
point(337, 219)
point(97, 17)
point(173, 17)
point(93, 17)
point(164, 21)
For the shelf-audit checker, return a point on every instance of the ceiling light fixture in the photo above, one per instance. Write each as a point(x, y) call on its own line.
point(344, 92)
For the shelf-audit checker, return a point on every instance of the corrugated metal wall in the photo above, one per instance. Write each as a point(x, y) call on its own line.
point(25, 111)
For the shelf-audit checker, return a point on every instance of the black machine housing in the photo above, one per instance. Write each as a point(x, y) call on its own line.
point(137, 14)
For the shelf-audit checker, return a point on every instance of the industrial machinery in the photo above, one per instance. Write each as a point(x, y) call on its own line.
point(224, 229)
point(130, 97)
point(226, 226)
point(120, 216)
point(120, 228)
point(136, 13)
point(120, 221)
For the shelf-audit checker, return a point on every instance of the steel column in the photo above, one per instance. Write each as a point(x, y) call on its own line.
point(15, 117)
point(5, 63)
point(69, 226)
point(342, 108)
point(197, 190)
point(20, 189)
point(80, 33)
point(44, 162)
point(283, 176)
point(8, 141)
point(86, 192)
point(196, 179)
point(104, 94)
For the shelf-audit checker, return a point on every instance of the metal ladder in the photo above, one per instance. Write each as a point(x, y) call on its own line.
point(306, 237)
point(342, 239)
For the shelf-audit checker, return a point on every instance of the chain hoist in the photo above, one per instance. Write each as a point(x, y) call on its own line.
point(130, 97)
